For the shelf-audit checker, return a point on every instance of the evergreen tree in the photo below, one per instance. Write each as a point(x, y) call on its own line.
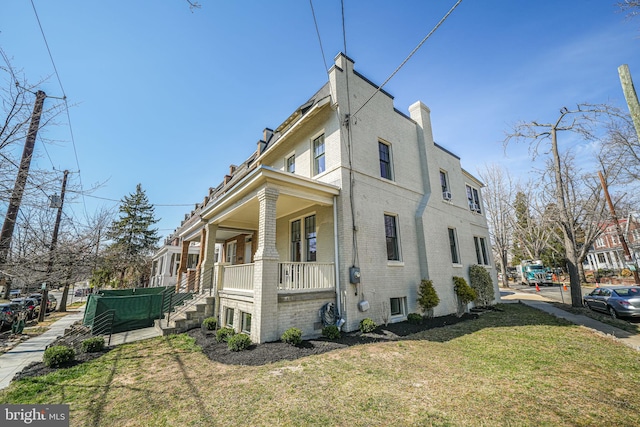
point(133, 239)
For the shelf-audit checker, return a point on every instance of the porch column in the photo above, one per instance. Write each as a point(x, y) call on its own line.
point(265, 290)
point(209, 256)
point(203, 240)
point(182, 268)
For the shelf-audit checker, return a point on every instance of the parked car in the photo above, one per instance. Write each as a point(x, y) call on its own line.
point(621, 301)
point(52, 302)
point(8, 315)
point(29, 305)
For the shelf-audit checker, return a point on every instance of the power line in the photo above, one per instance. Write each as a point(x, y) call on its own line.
point(410, 55)
point(73, 142)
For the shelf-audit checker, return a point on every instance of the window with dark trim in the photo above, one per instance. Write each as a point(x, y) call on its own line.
point(296, 241)
point(473, 196)
point(310, 237)
point(391, 234)
point(453, 246)
point(385, 160)
point(481, 250)
point(291, 164)
point(318, 155)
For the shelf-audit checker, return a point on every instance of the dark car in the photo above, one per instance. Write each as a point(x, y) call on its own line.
point(621, 301)
point(29, 305)
point(8, 315)
point(52, 302)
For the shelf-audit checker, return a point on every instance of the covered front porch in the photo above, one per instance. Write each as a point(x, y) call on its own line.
point(277, 243)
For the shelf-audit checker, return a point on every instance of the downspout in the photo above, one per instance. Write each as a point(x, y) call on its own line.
point(337, 259)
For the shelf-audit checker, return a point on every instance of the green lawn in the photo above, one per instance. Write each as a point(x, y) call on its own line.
point(518, 367)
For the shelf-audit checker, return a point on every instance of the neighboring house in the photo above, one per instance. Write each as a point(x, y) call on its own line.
point(331, 193)
point(166, 262)
point(607, 251)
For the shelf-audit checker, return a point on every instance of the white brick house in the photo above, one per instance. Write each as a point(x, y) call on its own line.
point(329, 190)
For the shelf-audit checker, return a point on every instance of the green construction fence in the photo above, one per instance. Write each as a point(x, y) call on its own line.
point(133, 308)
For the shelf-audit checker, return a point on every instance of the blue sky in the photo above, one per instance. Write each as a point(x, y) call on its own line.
point(169, 97)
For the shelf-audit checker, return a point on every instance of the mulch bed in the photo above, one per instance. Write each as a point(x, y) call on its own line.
point(261, 354)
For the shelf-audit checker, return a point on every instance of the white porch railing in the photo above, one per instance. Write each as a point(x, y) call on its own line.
point(239, 276)
point(305, 276)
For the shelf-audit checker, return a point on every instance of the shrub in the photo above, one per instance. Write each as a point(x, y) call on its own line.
point(367, 325)
point(464, 292)
point(238, 342)
point(626, 272)
point(93, 345)
point(292, 336)
point(224, 334)
point(331, 332)
point(427, 297)
point(58, 355)
point(210, 323)
point(481, 283)
point(414, 318)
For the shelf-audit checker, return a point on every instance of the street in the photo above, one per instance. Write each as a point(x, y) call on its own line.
point(551, 293)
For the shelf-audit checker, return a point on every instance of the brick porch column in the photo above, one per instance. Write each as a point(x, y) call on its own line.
point(264, 325)
point(206, 272)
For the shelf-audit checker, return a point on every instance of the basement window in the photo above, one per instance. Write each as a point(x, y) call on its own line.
point(246, 322)
point(228, 317)
point(398, 306)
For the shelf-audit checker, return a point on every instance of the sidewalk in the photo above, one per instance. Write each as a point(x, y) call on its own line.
point(33, 349)
point(540, 303)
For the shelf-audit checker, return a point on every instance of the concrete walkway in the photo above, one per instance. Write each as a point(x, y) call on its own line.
point(32, 350)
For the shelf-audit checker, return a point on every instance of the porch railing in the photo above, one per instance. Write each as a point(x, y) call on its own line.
point(239, 276)
point(305, 276)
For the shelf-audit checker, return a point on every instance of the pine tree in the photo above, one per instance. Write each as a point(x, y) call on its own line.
point(133, 239)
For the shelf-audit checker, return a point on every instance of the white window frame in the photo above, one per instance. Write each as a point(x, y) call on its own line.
point(231, 257)
point(397, 237)
point(286, 163)
point(390, 162)
point(316, 159)
point(229, 314)
point(243, 322)
point(402, 301)
point(304, 249)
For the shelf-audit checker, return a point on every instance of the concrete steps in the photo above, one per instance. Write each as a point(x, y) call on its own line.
point(188, 316)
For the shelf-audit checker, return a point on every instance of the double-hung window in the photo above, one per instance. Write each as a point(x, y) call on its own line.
point(304, 241)
point(444, 185)
point(481, 250)
point(318, 155)
point(453, 246)
point(391, 234)
point(385, 160)
point(291, 164)
point(473, 196)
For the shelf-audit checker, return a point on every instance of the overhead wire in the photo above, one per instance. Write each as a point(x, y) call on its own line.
point(444, 18)
point(66, 103)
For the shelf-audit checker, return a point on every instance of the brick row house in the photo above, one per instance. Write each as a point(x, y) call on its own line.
point(332, 208)
point(607, 251)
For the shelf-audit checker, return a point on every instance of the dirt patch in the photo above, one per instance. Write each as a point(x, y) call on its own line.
point(261, 354)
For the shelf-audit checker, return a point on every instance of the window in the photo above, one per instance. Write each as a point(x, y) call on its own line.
point(291, 164)
point(455, 258)
point(398, 306)
point(192, 260)
point(481, 250)
point(310, 240)
point(230, 255)
point(318, 155)
point(246, 322)
point(385, 160)
point(601, 258)
point(474, 199)
point(444, 182)
point(391, 233)
point(228, 317)
point(310, 237)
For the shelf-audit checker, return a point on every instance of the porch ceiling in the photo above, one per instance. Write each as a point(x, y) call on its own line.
point(240, 209)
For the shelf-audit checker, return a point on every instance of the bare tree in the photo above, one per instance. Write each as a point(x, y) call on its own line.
point(498, 198)
point(572, 202)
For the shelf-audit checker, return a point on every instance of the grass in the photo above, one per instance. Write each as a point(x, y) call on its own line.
point(517, 367)
point(632, 325)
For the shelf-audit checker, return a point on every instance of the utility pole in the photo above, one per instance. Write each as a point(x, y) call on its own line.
point(18, 189)
point(52, 248)
point(614, 217)
point(630, 95)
